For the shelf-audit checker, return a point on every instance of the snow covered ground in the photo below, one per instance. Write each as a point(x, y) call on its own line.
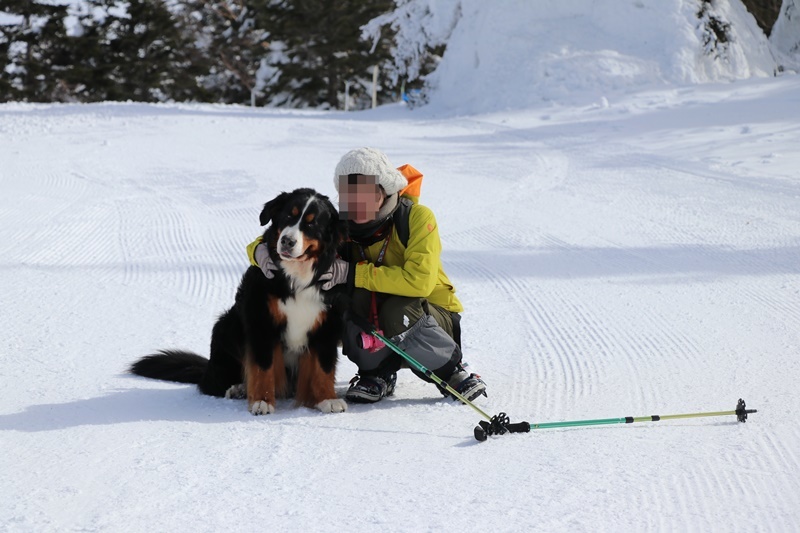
point(633, 257)
point(625, 245)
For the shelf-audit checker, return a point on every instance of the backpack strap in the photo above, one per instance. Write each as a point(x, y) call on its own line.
point(401, 217)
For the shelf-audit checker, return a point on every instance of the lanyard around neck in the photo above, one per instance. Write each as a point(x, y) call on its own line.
point(381, 254)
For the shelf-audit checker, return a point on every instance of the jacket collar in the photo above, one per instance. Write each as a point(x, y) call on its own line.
point(371, 232)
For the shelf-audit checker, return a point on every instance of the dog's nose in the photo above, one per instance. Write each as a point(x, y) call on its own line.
point(287, 242)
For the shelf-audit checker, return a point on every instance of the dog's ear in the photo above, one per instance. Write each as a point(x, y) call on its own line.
point(273, 208)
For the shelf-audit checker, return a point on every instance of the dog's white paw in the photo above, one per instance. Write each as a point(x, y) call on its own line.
point(332, 406)
point(262, 408)
point(236, 392)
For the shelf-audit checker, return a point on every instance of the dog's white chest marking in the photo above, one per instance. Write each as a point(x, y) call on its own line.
point(301, 311)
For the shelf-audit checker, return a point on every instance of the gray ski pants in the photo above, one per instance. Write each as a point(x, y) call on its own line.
point(425, 331)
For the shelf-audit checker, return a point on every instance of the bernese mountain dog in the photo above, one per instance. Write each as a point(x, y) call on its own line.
point(280, 338)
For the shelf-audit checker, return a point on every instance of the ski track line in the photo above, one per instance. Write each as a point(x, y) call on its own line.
point(239, 214)
point(688, 504)
point(130, 239)
point(82, 242)
point(572, 380)
point(786, 309)
point(540, 333)
point(763, 184)
point(88, 238)
point(608, 345)
point(225, 252)
point(581, 375)
point(172, 245)
point(751, 475)
point(739, 474)
point(682, 345)
point(527, 364)
point(230, 255)
point(684, 488)
point(575, 356)
point(633, 343)
point(215, 265)
point(776, 454)
point(46, 198)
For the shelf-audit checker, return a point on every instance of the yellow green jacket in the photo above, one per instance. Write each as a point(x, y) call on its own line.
point(414, 270)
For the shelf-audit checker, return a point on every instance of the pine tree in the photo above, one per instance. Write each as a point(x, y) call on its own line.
point(420, 31)
point(234, 47)
point(33, 51)
point(142, 53)
point(319, 48)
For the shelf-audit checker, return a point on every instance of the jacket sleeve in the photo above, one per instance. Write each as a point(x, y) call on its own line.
point(419, 273)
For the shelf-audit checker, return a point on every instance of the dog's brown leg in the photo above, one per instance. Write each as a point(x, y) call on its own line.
point(315, 387)
point(279, 371)
point(260, 385)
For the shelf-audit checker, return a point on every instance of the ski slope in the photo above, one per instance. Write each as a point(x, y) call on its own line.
point(638, 256)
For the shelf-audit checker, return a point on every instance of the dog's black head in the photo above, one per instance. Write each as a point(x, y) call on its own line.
point(303, 234)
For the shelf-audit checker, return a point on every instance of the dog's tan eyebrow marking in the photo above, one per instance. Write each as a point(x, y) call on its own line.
point(295, 211)
point(310, 217)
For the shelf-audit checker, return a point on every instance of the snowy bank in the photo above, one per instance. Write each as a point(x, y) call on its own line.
point(508, 55)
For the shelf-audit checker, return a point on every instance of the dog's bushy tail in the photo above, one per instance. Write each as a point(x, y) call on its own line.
point(171, 365)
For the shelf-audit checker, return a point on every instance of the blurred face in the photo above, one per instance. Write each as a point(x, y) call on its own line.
point(360, 197)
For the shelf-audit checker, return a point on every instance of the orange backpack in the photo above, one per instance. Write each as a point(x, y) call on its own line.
point(409, 196)
point(413, 190)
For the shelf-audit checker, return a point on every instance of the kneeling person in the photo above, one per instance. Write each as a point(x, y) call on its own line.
point(393, 266)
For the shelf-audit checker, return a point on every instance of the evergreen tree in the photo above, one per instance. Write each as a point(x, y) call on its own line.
point(234, 46)
point(139, 53)
point(317, 47)
point(33, 51)
point(421, 30)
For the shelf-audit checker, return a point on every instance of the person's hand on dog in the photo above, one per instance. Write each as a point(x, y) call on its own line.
point(265, 261)
point(336, 274)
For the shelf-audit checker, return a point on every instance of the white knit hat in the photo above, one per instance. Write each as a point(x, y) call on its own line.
point(370, 161)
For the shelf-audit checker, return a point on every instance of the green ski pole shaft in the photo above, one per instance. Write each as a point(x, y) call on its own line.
point(633, 419)
point(421, 368)
point(499, 424)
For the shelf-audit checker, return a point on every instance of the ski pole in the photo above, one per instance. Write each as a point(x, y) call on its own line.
point(442, 384)
point(496, 425)
point(501, 424)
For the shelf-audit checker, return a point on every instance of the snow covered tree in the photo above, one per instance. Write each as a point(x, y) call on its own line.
point(234, 46)
point(33, 51)
point(317, 48)
point(716, 31)
point(134, 51)
point(420, 30)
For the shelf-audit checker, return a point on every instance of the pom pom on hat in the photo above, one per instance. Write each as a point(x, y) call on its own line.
point(370, 161)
